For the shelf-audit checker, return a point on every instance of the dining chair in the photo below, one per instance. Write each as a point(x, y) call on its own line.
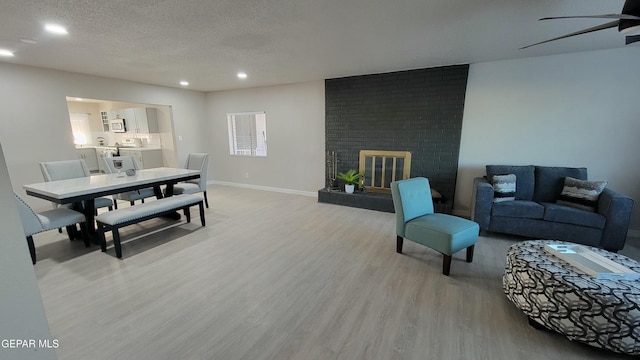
point(417, 221)
point(127, 163)
point(34, 223)
point(195, 161)
point(71, 169)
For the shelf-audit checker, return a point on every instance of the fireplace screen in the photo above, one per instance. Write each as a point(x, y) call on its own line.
point(380, 168)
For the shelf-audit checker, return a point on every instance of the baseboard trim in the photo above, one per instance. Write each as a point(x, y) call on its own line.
point(265, 188)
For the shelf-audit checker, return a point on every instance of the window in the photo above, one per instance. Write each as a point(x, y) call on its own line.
point(80, 128)
point(247, 133)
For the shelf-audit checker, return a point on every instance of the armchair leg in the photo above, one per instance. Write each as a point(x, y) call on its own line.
point(470, 253)
point(32, 249)
point(399, 241)
point(206, 201)
point(446, 264)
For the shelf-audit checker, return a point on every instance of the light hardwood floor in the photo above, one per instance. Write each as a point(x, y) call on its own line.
point(279, 276)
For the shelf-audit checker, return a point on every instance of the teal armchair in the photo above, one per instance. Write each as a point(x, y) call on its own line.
point(417, 221)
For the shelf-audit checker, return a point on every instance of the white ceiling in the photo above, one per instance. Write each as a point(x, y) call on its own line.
point(206, 42)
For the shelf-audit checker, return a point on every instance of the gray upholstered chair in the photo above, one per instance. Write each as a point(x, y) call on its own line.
point(34, 223)
point(195, 161)
point(71, 169)
point(127, 162)
point(417, 221)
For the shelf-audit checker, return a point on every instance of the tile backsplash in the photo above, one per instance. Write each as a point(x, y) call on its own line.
point(110, 138)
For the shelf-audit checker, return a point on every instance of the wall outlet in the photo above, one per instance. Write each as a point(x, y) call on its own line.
point(246, 175)
point(179, 137)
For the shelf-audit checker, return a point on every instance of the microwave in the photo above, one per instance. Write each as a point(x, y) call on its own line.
point(118, 125)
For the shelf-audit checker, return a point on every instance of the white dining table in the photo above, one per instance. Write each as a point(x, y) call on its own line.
point(84, 190)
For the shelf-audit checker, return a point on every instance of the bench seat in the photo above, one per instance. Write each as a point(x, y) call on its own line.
point(115, 219)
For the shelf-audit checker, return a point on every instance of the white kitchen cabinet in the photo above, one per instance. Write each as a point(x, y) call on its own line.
point(146, 158)
point(147, 121)
point(141, 120)
point(104, 118)
point(116, 114)
point(90, 157)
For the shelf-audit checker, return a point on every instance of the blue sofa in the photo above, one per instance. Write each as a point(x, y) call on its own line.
point(534, 212)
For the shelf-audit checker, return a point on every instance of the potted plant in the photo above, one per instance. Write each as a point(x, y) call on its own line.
point(350, 179)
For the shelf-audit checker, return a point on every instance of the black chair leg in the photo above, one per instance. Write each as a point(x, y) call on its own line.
point(470, 253)
point(206, 201)
point(446, 264)
point(102, 237)
point(399, 241)
point(32, 249)
point(201, 213)
point(187, 214)
point(115, 204)
point(132, 202)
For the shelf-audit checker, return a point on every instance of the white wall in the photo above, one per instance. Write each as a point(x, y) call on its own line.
point(34, 119)
point(295, 137)
point(579, 109)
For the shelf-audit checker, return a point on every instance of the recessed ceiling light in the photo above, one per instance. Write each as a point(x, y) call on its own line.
point(79, 99)
point(184, 83)
point(242, 75)
point(5, 52)
point(56, 29)
point(28, 41)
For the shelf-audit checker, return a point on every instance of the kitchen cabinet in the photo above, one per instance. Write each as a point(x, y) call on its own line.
point(90, 157)
point(104, 118)
point(146, 158)
point(141, 120)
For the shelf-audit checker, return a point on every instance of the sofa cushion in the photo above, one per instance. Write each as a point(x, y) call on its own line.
point(549, 181)
point(581, 194)
point(518, 209)
point(504, 187)
point(570, 215)
point(524, 178)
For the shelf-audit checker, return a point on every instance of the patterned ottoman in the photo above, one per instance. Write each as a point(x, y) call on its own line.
point(601, 313)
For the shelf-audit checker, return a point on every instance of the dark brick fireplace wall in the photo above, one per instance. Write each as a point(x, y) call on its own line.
point(416, 110)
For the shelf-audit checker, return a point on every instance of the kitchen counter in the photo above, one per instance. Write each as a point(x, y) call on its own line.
point(139, 148)
point(102, 147)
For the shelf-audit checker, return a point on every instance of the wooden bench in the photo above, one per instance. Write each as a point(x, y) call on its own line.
point(115, 219)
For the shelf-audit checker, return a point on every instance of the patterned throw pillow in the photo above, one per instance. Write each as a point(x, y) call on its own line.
point(581, 194)
point(504, 187)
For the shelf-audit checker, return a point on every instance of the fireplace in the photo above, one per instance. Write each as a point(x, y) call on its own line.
point(416, 111)
point(379, 168)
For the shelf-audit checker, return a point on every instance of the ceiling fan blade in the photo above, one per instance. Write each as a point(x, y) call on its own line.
point(631, 39)
point(604, 16)
point(585, 31)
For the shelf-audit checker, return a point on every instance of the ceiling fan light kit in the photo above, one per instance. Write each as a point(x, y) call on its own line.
point(627, 22)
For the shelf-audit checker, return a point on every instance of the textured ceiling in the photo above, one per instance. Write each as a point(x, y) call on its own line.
point(206, 42)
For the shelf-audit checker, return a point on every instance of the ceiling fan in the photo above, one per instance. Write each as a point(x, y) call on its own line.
point(628, 22)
